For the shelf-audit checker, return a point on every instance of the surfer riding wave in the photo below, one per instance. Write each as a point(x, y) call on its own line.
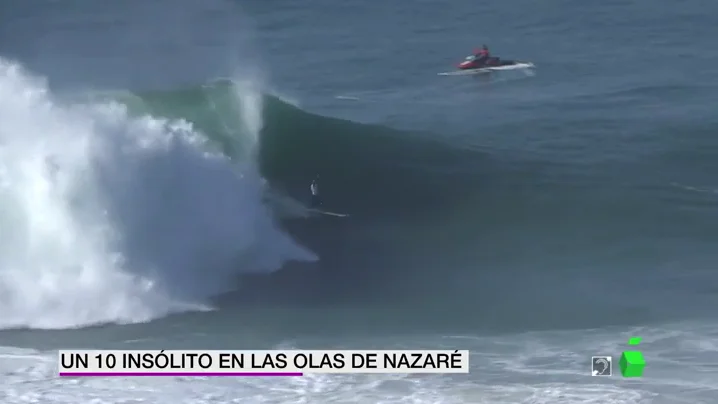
point(315, 202)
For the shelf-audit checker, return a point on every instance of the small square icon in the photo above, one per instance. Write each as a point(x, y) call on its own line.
point(601, 366)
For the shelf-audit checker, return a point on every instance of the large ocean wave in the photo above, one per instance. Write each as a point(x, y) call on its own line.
point(112, 214)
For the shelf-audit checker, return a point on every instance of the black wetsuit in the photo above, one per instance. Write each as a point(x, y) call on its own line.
point(314, 189)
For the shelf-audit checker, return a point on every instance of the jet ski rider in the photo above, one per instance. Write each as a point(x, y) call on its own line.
point(482, 55)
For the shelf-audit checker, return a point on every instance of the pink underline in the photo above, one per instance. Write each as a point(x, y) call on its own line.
point(188, 374)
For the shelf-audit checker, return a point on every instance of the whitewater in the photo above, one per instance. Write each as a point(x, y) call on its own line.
point(108, 217)
point(535, 220)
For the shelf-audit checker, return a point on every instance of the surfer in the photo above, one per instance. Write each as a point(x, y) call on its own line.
point(316, 201)
point(314, 189)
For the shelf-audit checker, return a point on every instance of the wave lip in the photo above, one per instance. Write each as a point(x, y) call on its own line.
point(110, 216)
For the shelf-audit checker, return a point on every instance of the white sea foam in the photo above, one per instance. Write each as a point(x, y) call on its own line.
point(544, 367)
point(109, 218)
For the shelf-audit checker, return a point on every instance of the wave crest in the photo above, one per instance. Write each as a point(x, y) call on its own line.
point(110, 216)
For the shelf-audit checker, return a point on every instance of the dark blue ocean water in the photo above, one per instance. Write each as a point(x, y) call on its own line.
point(553, 214)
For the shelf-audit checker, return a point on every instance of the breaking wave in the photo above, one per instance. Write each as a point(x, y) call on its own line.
point(114, 214)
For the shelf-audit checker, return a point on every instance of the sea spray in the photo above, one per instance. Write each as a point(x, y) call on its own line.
point(109, 218)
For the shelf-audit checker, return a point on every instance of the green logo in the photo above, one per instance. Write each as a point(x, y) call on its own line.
point(632, 362)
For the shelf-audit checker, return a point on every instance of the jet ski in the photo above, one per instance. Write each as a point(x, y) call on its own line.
point(472, 64)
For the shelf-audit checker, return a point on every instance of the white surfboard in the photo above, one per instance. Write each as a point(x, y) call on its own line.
point(324, 212)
